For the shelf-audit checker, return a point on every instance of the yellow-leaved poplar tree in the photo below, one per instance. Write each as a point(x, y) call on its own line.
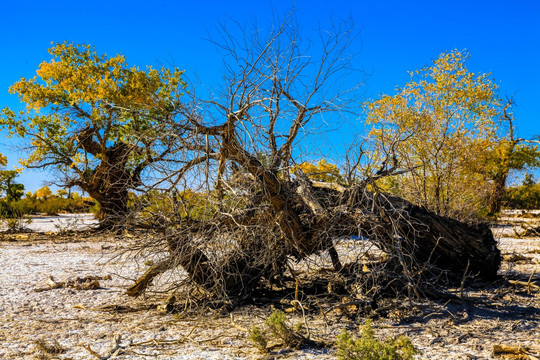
point(97, 120)
point(436, 127)
point(509, 153)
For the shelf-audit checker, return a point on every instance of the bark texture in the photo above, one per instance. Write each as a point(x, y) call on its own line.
point(303, 218)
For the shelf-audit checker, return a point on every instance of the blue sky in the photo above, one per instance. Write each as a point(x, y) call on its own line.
point(502, 37)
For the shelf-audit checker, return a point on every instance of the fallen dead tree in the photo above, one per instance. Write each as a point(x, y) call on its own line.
point(236, 216)
point(419, 243)
point(427, 238)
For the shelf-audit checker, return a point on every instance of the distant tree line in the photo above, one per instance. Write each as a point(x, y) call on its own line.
point(15, 203)
point(525, 196)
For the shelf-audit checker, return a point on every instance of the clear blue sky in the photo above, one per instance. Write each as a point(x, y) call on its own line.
point(502, 37)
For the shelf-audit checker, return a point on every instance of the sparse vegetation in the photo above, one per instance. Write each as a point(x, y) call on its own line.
point(258, 338)
point(16, 223)
point(50, 204)
point(47, 349)
point(221, 198)
point(279, 331)
point(367, 347)
point(525, 196)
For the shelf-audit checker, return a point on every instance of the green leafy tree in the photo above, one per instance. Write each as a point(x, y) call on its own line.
point(13, 191)
point(98, 121)
point(510, 153)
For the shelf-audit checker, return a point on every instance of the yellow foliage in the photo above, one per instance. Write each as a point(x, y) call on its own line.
point(3, 160)
point(437, 125)
point(43, 193)
point(81, 105)
point(322, 171)
point(77, 75)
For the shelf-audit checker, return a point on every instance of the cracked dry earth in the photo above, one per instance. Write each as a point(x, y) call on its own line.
point(87, 322)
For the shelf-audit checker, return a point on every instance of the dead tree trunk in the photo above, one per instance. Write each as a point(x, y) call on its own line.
point(272, 94)
point(416, 237)
point(423, 237)
point(233, 275)
point(427, 238)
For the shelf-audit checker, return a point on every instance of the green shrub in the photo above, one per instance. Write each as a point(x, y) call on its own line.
point(14, 215)
point(6, 210)
point(279, 330)
point(93, 206)
point(24, 206)
point(367, 347)
point(258, 338)
point(14, 209)
point(52, 205)
point(526, 196)
point(278, 327)
point(17, 224)
point(276, 324)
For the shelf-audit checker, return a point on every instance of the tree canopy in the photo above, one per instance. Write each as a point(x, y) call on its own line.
point(442, 127)
point(96, 120)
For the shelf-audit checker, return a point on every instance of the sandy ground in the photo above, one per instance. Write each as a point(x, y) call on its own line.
point(86, 324)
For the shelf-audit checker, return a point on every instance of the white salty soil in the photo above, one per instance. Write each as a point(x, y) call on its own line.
point(59, 223)
point(86, 321)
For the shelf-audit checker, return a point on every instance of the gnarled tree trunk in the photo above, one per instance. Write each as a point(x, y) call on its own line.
point(273, 93)
point(322, 213)
point(428, 238)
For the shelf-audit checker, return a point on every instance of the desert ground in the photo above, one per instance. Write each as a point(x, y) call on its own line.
point(62, 296)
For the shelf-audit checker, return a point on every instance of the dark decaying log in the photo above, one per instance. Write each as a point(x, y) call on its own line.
point(393, 224)
point(323, 212)
point(429, 238)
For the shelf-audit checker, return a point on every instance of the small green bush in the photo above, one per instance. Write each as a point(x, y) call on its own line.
point(276, 324)
point(258, 338)
point(279, 330)
point(278, 327)
point(7, 210)
point(24, 206)
point(14, 215)
point(367, 347)
point(17, 224)
point(52, 206)
point(93, 206)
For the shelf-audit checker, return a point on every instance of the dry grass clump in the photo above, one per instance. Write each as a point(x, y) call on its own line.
point(517, 258)
point(47, 349)
point(258, 338)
